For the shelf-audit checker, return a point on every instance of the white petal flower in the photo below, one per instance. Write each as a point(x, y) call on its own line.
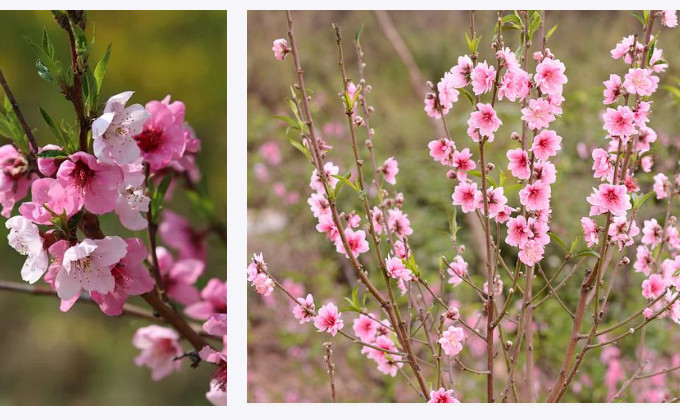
point(25, 237)
point(114, 130)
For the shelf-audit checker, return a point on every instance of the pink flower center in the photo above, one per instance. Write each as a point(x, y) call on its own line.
point(149, 140)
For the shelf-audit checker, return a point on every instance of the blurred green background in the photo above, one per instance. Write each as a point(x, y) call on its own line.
point(84, 357)
point(286, 233)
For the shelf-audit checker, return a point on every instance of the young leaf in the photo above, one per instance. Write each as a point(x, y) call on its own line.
point(588, 251)
point(57, 133)
point(346, 181)
point(558, 240)
point(100, 69)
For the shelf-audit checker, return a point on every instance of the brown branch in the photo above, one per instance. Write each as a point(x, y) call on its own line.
point(20, 116)
point(331, 367)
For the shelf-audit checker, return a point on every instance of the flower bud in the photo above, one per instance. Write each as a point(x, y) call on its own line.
point(453, 314)
point(451, 174)
point(358, 121)
point(515, 136)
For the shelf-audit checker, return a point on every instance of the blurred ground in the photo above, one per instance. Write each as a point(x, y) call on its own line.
point(281, 225)
point(84, 357)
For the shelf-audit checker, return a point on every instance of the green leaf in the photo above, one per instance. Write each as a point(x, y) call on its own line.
point(349, 308)
point(100, 69)
point(81, 40)
point(639, 17)
point(558, 240)
point(550, 32)
point(63, 141)
point(347, 182)
point(589, 252)
point(288, 120)
point(357, 34)
point(468, 95)
point(52, 154)
point(534, 24)
point(574, 243)
point(74, 221)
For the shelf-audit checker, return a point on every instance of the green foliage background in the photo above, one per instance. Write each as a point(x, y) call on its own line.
point(582, 41)
point(84, 357)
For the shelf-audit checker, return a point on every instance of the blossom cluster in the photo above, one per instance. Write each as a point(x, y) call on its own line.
point(133, 147)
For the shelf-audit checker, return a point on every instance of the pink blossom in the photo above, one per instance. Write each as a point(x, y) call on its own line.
point(280, 48)
point(390, 169)
point(619, 122)
point(652, 233)
point(465, 195)
point(304, 309)
point(452, 340)
point(504, 214)
point(539, 228)
point(458, 269)
point(462, 161)
point(646, 136)
point(643, 260)
point(132, 200)
point(47, 193)
point(669, 18)
point(159, 347)
point(461, 72)
point(326, 225)
point(25, 238)
point(87, 265)
point(91, 183)
point(602, 165)
point(641, 113)
point(329, 169)
point(179, 276)
point(482, 77)
point(518, 231)
point(388, 363)
point(550, 76)
point(484, 120)
point(432, 108)
point(609, 198)
point(612, 89)
point(535, 196)
point(519, 164)
point(162, 140)
point(646, 163)
point(114, 130)
point(49, 166)
point(400, 250)
point(131, 279)
point(661, 186)
point(213, 301)
point(179, 234)
point(319, 205)
point(653, 287)
point(356, 241)
point(398, 223)
point(442, 396)
point(263, 284)
point(515, 85)
point(397, 270)
point(545, 171)
point(639, 81)
point(446, 89)
point(329, 320)
point(531, 252)
point(623, 48)
point(365, 328)
point(538, 114)
point(442, 150)
point(546, 144)
point(495, 198)
point(377, 220)
point(353, 220)
point(15, 178)
point(622, 231)
point(590, 230)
